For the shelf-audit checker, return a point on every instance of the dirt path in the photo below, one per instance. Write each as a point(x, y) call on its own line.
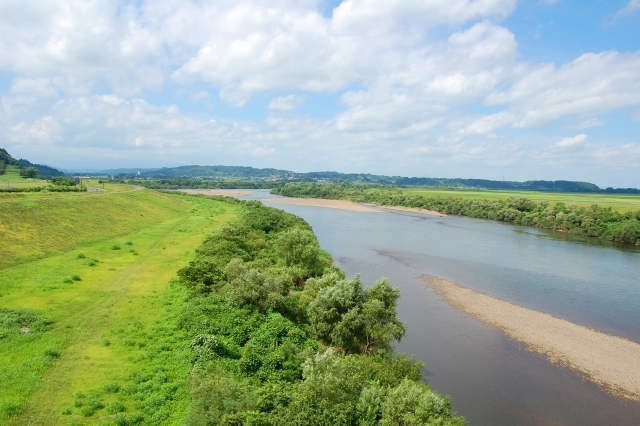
point(612, 362)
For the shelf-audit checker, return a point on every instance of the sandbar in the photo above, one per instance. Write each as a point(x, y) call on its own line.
point(320, 202)
point(226, 192)
point(611, 362)
point(412, 209)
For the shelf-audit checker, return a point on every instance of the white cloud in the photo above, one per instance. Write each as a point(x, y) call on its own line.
point(286, 103)
point(572, 141)
point(263, 152)
point(592, 83)
point(631, 7)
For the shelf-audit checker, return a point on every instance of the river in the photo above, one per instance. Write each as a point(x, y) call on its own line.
point(491, 379)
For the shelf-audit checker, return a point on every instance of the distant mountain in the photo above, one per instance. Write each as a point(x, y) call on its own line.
point(230, 173)
point(44, 171)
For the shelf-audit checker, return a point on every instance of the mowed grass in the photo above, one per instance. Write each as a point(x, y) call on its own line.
point(36, 228)
point(113, 353)
point(618, 202)
point(11, 179)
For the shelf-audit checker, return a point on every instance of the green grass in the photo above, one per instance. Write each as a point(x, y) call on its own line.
point(11, 179)
point(36, 228)
point(113, 349)
point(618, 202)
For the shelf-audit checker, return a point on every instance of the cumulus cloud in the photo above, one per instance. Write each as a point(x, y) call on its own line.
point(286, 103)
point(572, 141)
point(592, 83)
point(417, 82)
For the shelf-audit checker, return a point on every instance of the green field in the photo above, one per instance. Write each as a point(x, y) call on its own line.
point(11, 179)
point(99, 267)
point(618, 202)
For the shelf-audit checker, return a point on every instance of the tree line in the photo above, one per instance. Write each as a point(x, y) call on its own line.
point(279, 335)
point(592, 221)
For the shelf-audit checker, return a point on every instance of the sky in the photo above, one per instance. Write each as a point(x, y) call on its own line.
point(494, 89)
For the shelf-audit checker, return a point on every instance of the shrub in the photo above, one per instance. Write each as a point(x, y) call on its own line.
point(115, 407)
point(67, 280)
point(80, 256)
point(91, 262)
point(111, 387)
point(129, 243)
point(115, 247)
point(9, 410)
point(76, 277)
point(50, 353)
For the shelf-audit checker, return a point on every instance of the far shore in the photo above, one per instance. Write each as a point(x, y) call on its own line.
point(320, 202)
point(225, 192)
point(410, 209)
point(612, 362)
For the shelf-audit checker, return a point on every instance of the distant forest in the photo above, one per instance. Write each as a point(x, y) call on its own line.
point(202, 177)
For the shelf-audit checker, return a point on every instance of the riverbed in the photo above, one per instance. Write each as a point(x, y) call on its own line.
point(492, 379)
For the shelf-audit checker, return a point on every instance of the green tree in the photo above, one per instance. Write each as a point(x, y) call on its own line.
point(299, 248)
point(28, 172)
point(354, 319)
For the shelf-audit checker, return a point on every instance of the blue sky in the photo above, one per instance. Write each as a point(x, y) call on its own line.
point(495, 89)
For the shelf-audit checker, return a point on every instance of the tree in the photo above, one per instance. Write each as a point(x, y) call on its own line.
point(28, 172)
point(299, 247)
point(354, 319)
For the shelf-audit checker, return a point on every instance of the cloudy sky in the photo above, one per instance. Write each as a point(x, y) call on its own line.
point(497, 89)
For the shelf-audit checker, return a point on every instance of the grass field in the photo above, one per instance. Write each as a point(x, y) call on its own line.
point(11, 179)
point(113, 353)
point(618, 202)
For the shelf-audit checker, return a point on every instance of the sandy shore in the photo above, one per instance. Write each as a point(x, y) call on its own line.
point(612, 362)
point(225, 192)
point(318, 202)
point(412, 209)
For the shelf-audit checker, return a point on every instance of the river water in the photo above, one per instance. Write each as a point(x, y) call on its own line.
point(491, 379)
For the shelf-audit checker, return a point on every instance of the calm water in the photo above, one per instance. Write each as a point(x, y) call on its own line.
point(492, 380)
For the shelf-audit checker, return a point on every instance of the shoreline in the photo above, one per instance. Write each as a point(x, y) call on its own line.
point(321, 202)
point(410, 209)
point(611, 362)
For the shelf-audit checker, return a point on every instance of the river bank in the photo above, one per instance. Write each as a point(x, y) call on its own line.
point(612, 362)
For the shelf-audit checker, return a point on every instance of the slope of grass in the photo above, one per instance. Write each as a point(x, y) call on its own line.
point(618, 202)
point(35, 228)
point(112, 351)
point(11, 179)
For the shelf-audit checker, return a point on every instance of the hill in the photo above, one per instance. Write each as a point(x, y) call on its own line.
point(6, 160)
point(44, 171)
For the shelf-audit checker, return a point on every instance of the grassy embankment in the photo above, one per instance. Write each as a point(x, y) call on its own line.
point(618, 202)
point(89, 275)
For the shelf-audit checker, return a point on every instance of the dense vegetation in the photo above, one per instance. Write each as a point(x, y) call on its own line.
point(593, 221)
point(278, 335)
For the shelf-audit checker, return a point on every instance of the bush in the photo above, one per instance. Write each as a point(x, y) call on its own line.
point(50, 353)
point(76, 277)
point(115, 407)
point(111, 387)
point(115, 247)
point(80, 256)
